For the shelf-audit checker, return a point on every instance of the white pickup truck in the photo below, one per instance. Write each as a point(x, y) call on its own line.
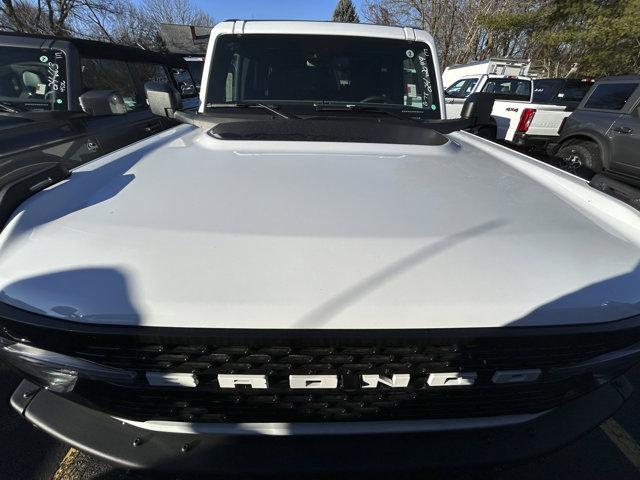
point(512, 88)
point(536, 124)
point(527, 124)
point(490, 66)
point(311, 276)
point(510, 93)
point(526, 113)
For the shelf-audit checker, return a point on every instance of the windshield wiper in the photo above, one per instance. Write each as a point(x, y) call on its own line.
point(272, 109)
point(8, 108)
point(363, 108)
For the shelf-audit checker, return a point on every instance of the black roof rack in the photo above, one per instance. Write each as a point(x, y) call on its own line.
point(108, 50)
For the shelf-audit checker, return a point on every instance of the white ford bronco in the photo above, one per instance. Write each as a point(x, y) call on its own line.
point(316, 272)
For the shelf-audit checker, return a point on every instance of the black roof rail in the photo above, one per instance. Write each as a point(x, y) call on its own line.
point(22, 183)
point(100, 49)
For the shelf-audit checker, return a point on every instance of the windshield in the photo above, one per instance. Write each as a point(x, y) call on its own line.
point(325, 69)
point(33, 79)
point(509, 88)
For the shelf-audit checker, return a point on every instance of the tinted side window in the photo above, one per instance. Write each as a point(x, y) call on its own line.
point(611, 96)
point(574, 93)
point(455, 90)
point(33, 79)
point(462, 88)
point(149, 72)
point(544, 90)
point(510, 89)
point(101, 74)
point(468, 88)
point(196, 67)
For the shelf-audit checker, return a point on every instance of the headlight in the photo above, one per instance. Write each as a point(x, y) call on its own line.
point(57, 372)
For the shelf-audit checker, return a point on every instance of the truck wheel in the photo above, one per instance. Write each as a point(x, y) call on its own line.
point(581, 158)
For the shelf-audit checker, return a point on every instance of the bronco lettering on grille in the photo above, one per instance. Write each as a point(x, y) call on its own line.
point(398, 380)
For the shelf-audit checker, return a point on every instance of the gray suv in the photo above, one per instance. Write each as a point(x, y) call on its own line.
point(603, 133)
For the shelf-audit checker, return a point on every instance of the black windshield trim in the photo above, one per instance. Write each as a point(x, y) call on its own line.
point(347, 130)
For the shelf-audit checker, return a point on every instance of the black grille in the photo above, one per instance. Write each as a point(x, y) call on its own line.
point(208, 404)
point(209, 360)
point(347, 354)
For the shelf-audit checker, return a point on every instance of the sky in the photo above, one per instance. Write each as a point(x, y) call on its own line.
point(270, 9)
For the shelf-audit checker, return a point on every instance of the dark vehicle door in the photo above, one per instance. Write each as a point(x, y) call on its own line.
point(110, 132)
point(38, 116)
point(37, 137)
point(625, 137)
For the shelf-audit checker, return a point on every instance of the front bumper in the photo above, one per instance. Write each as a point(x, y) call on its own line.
point(259, 455)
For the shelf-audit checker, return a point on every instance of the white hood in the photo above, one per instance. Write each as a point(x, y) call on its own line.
point(184, 230)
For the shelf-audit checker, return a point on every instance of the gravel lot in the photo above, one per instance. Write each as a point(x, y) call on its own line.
point(610, 452)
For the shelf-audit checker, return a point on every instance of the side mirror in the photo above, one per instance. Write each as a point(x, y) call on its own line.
point(102, 102)
point(477, 108)
point(164, 100)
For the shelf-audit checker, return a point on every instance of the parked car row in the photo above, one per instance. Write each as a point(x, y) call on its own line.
point(591, 127)
point(52, 86)
point(57, 98)
point(552, 100)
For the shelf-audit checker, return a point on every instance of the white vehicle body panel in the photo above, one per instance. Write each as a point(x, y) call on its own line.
point(491, 66)
point(186, 230)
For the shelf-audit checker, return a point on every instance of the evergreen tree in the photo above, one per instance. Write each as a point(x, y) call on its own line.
point(345, 12)
point(601, 36)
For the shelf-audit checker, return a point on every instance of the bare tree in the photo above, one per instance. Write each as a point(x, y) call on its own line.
point(57, 17)
point(139, 24)
point(462, 29)
point(184, 12)
point(120, 21)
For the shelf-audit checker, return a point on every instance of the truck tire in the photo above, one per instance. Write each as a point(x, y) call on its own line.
point(581, 157)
